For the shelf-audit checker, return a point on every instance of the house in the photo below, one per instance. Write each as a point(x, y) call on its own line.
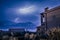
point(50, 18)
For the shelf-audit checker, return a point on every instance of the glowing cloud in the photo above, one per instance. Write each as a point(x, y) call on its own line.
point(26, 10)
point(16, 20)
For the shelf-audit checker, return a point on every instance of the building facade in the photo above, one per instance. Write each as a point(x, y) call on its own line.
point(50, 18)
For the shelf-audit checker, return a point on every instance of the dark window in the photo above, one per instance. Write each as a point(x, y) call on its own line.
point(54, 17)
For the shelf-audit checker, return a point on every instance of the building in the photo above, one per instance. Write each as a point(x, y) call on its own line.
point(50, 18)
point(17, 30)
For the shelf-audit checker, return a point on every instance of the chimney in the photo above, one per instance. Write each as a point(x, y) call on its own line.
point(46, 9)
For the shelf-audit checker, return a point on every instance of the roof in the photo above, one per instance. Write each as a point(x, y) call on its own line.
point(53, 9)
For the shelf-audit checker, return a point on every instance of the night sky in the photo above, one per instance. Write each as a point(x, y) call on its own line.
point(23, 12)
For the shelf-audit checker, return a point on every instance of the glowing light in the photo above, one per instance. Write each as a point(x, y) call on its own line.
point(27, 10)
